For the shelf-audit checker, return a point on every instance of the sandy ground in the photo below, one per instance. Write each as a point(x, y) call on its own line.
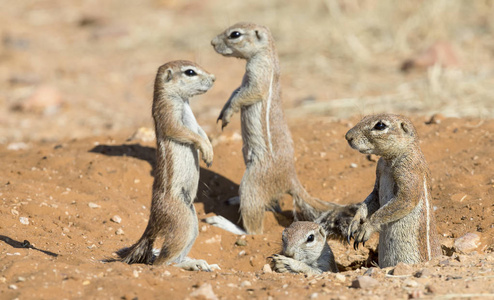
point(76, 82)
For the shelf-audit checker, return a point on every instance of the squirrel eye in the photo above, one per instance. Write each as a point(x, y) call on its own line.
point(190, 72)
point(380, 126)
point(234, 35)
point(310, 238)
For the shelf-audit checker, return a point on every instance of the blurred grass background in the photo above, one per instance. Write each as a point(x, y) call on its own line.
point(339, 58)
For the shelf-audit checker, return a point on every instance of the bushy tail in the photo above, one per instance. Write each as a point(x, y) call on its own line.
point(139, 253)
point(311, 208)
point(337, 221)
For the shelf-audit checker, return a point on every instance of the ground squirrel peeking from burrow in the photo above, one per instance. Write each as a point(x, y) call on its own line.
point(399, 207)
point(305, 250)
point(267, 143)
point(178, 139)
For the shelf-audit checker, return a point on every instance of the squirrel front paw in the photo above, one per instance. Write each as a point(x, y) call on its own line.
point(358, 219)
point(282, 264)
point(225, 116)
point(207, 153)
point(363, 234)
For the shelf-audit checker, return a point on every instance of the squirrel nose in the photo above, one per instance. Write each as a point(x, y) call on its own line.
point(349, 136)
point(289, 253)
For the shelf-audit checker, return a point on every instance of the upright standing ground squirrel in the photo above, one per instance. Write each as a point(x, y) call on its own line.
point(178, 139)
point(267, 143)
point(305, 250)
point(399, 207)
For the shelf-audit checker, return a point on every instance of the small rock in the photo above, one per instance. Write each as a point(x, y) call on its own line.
point(167, 273)
point(364, 282)
point(24, 220)
point(13, 287)
point(314, 295)
point(116, 219)
point(340, 277)
point(21, 279)
point(135, 273)
point(241, 253)
point(241, 242)
point(119, 231)
point(245, 283)
point(467, 243)
point(424, 273)
point(402, 269)
point(353, 165)
point(93, 205)
point(267, 269)
point(205, 291)
point(86, 282)
point(410, 283)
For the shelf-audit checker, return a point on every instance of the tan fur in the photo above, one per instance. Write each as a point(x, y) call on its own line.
point(268, 146)
point(178, 139)
point(305, 250)
point(400, 205)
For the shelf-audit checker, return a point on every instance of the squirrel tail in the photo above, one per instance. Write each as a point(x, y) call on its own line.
point(310, 207)
point(141, 252)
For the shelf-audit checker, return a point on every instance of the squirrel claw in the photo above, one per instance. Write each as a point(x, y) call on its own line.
point(355, 245)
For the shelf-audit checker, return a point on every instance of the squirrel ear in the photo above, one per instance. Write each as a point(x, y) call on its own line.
point(322, 232)
point(168, 75)
point(407, 128)
point(261, 35)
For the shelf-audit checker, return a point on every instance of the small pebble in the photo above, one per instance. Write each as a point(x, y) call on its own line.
point(410, 283)
point(353, 165)
point(364, 282)
point(167, 273)
point(13, 287)
point(93, 205)
point(340, 277)
point(24, 220)
point(402, 269)
point(314, 296)
point(119, 231)
point(467, 243)
point(245, 283)
point(241, 242)
point(116, 219)
point(267, 269)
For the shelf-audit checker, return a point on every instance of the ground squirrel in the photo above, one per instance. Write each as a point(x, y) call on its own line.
point(399, 207)
point(267, 143)
point(305, 250)
point(178, 139)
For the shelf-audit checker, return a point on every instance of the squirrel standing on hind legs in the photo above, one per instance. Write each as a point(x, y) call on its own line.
point(267, 143)
point(399, 207)
point(178, 139)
